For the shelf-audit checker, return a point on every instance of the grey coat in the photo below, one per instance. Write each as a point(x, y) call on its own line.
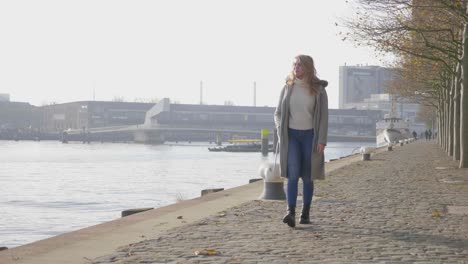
point(320, 130)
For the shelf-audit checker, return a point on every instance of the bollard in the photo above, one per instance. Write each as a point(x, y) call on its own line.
point(64, 138)
point(219, 139)
point(208, 191)
point(275, 141)
point(135, 211)
point(389, 146)
point(273, 186)
point(366, 152)
point(265, 142)
point(366, 156)
point(255, 180)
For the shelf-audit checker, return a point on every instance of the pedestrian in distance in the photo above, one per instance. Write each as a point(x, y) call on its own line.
point(301, 119)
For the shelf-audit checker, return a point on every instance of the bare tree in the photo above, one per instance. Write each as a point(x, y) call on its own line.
point(429, 38)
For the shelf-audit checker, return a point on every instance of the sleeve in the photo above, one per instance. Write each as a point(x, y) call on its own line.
point(278, 110)
point(323, 128)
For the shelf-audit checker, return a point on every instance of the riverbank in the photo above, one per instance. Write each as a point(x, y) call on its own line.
point(407, 205)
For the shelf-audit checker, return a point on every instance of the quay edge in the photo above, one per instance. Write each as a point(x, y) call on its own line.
point(85, 244)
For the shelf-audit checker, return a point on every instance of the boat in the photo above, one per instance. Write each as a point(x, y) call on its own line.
point(391, 129)
point(241, 145)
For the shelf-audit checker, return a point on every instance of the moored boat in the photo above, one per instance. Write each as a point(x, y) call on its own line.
point(245, 145)
point(391, 129)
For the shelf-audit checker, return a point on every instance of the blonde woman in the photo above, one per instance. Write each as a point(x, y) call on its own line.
point(301, 119)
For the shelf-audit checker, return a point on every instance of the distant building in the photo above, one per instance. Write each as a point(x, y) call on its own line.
point(358, 83)
point(96, 114)
point(342, 122)
point(366, 88)
point(92, 114)
point(4, 97)
point(18, 119)
point(353, 122)
point(185, 115)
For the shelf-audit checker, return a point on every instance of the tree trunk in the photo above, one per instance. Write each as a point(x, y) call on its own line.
point(456, 115)
point(441, 119)
point(439, 124)
point(445, 106)
point(464, 104)
point(450, 118)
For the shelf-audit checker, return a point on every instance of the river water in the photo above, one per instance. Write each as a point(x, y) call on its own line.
point(49, 188)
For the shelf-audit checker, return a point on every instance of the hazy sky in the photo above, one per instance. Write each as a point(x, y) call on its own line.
point(58, 51)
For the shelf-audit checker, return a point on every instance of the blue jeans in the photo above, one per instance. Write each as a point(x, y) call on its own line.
point(299, 165)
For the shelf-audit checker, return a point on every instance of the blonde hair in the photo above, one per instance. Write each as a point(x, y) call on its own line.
point(310, 74)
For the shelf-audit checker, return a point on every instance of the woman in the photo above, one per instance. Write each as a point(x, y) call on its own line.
point(301, 119)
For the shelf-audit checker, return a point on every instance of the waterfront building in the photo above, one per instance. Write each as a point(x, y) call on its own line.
point(18, 118)
point(353, 122)
point(211, 116)
point(192, 118)
point(366, 88)
point(357, 83)
point(343, 123)
point(91, 114)
point(4, 97)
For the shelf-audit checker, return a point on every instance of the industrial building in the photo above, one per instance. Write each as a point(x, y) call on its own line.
point(367, 88)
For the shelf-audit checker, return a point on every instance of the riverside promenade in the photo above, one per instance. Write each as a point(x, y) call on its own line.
point(409, 205)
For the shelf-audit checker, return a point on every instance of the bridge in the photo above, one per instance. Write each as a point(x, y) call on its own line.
point(157, 135)
point(176, 122)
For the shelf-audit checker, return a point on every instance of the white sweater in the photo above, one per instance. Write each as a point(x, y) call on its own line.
point(301, 107)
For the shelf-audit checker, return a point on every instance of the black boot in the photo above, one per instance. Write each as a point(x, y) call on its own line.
point(290, 217)
point(305, 215)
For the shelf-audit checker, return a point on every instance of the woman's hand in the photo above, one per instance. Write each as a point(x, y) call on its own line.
point(320, 148)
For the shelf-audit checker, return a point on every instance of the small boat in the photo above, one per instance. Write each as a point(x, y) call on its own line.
point(241, 145)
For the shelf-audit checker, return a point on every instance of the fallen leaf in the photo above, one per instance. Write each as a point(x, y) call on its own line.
point(206, 252)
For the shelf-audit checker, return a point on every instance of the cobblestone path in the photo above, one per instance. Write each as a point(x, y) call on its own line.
point(391, 209)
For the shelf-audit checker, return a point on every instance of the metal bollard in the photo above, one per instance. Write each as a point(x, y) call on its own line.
point(366, 152)
point(135, 211)
point(389, 146)
point(273, 186)
point(208, 191)
point(255, 180)
point(366, 156)
point(264, 146)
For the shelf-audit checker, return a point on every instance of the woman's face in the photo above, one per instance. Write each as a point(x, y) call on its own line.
point(297, 68)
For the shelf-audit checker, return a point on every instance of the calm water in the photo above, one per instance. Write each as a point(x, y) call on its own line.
point(48, 188)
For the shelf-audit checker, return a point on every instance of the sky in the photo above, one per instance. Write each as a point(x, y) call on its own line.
point(64, 51)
